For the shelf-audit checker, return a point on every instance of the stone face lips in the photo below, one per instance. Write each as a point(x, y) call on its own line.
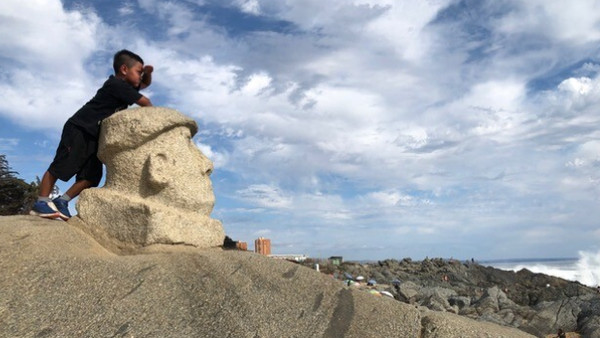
point(158, 189)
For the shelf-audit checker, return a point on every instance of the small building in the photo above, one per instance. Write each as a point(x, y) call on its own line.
point(262, 246)
point(241, 246)
point(336, 260)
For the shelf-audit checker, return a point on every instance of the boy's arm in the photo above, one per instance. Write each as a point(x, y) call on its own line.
point(144, 102)
point(147, 77)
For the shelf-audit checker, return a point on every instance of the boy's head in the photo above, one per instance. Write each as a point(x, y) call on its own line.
point(127, 58)
point(129, 66)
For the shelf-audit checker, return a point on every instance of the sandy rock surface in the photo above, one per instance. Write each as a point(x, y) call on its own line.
point(57, 281)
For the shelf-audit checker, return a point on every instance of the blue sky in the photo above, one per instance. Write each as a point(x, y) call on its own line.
point(368, 129)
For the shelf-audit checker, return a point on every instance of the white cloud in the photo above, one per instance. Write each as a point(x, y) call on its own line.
point(582, 174)
point(46, 37)
point(7, 144)
point(265, 196)
point(263, 232)
point(46, 49)
point(492, 109)
point(415, 118)
point(207, 85)
point(426, 230)
point(581, 86)
point(403, 27)
point(378, 200)
point(219, 159)
point(388, 198)
point(37, 102)
point(590, 151)
point(249, 6)
point(126, 9)
point(578, 94)
point(577, 22)
point(257, 83)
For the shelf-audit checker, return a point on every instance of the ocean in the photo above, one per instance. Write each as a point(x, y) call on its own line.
point(584, 269)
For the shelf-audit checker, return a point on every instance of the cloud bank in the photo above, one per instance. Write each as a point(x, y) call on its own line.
point(369, 129)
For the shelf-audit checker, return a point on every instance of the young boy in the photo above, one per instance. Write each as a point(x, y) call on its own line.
point(76, 152)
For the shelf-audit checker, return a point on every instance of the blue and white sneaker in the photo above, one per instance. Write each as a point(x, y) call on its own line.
point(44, 209)
point(63, 208)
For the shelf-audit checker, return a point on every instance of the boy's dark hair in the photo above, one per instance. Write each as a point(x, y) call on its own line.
point(125, 57)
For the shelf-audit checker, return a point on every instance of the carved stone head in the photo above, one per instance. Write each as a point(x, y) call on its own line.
point(149, 152)
point(157, 190)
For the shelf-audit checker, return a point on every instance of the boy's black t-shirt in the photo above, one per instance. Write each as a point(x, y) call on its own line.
point(114, 95)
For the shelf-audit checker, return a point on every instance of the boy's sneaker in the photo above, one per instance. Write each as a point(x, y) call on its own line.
point(44, 209)
point(63, 208)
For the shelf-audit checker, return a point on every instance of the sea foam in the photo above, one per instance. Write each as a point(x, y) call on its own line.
point(588, 268)
point(585, 269)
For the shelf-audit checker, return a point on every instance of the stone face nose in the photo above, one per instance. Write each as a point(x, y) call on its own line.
point(158, 189)
point(208, 166)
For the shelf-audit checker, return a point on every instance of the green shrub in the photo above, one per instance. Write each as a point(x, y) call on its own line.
point(16, 195)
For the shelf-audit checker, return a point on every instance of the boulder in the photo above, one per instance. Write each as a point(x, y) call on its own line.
point(550, 316)
point(492, 301)
point(436, 298)
point(408, 291)
point(459, 301)
point(589, 317)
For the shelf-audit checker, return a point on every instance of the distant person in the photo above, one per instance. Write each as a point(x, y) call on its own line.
point(76, 152)
point(561, 333)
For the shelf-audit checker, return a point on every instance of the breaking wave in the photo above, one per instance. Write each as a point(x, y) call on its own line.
point(585, 269)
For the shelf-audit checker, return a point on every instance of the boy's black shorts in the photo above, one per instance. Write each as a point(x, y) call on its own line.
point(76, 154)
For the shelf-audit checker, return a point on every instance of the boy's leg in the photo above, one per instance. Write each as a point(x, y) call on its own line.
point(78, 187)
point(71, 154)
point(88, 176)
point(62, 202)
point(47, 183)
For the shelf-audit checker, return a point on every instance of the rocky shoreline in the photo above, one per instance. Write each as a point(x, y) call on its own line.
point(534, 303)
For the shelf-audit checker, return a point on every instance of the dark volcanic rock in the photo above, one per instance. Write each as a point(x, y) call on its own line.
point(533, 302)
point(588, 320)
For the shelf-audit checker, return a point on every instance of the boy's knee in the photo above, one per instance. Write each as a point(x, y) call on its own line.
point(87, 183)
point(93, 183)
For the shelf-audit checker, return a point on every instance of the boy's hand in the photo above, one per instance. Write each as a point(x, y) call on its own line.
point(144, 102)
point(147, 77)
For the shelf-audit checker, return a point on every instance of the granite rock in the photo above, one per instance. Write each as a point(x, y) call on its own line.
point(157, 190)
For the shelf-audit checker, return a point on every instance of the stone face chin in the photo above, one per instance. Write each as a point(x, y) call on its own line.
point(157, 190)
point(135, 222)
